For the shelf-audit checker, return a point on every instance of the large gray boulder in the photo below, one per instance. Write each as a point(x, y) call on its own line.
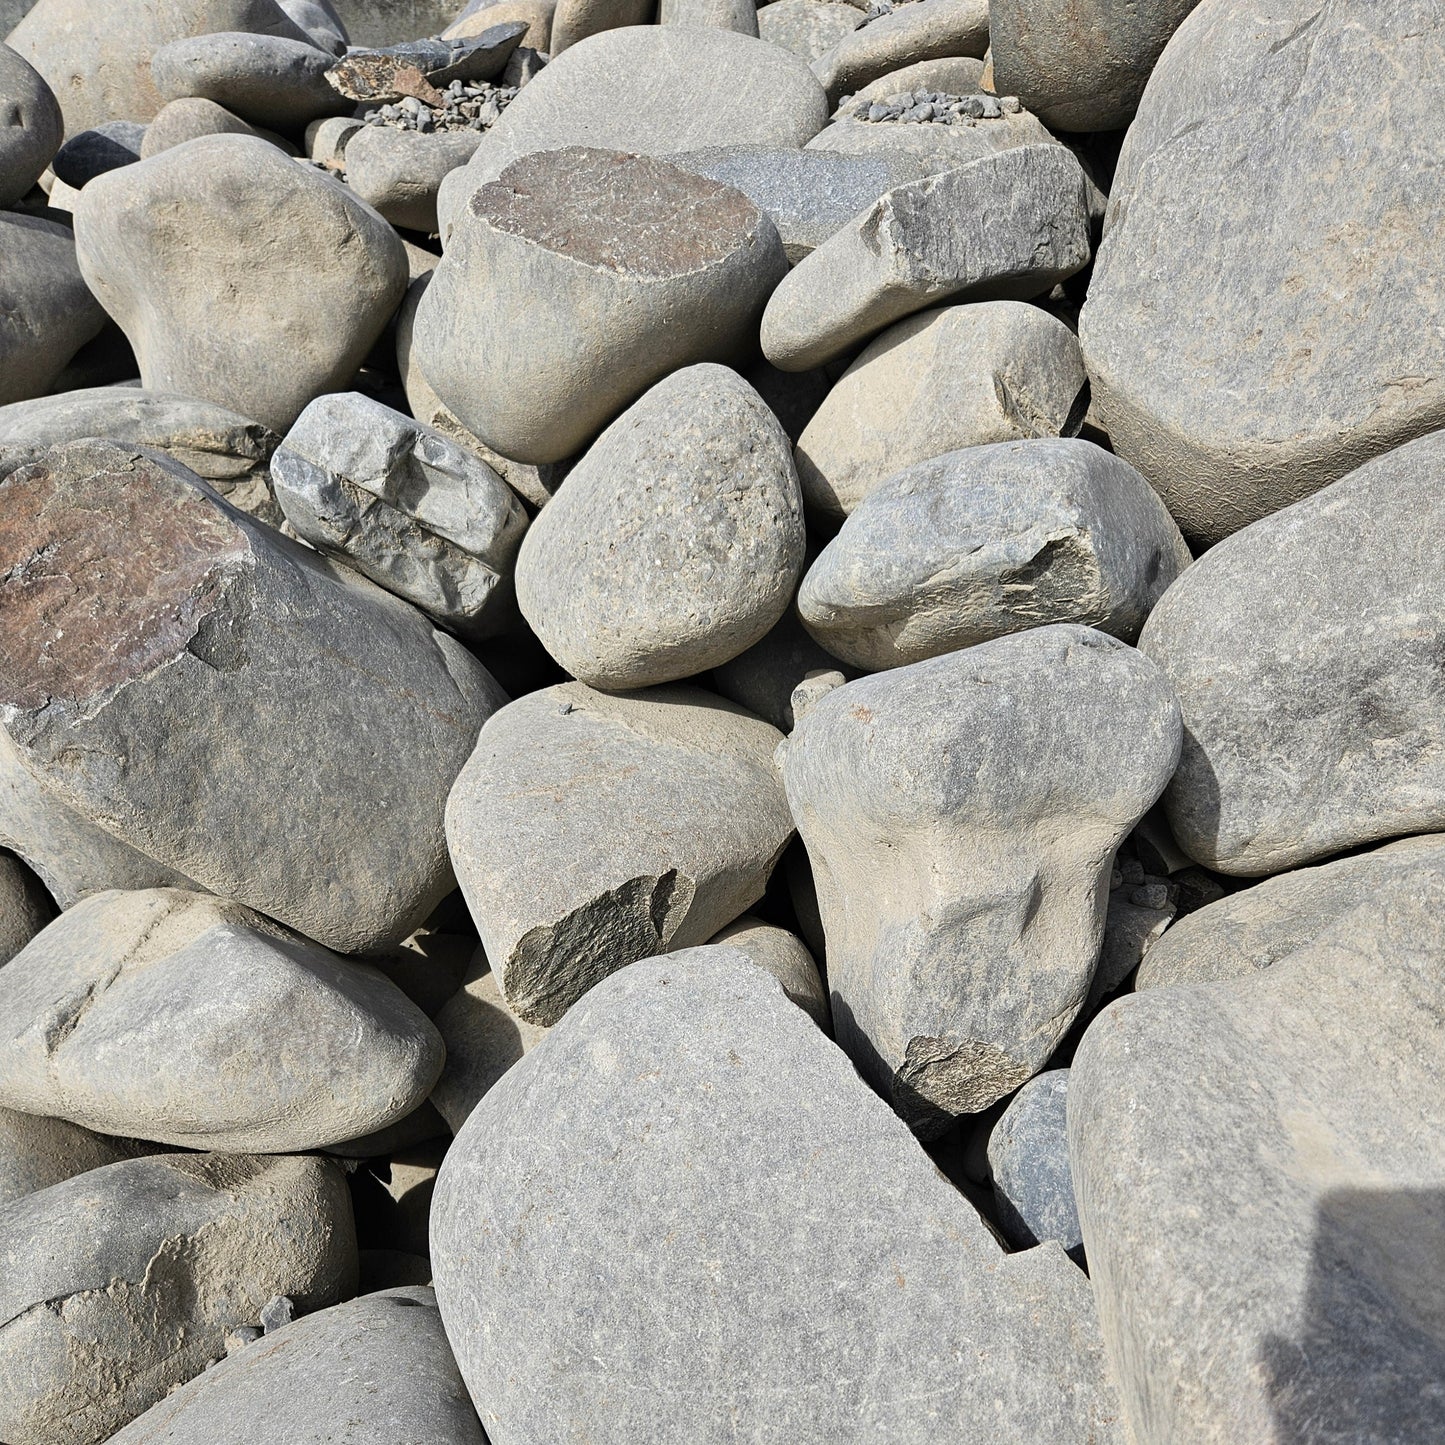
point(957, 376)
point(100, 66)
point(677, 541)
point(961, 816)
point(682, 808)
point(50, 312)
point(808, 28)
point(190, 118)
point(1252, 930)
point(902, 36)
point(1083, 66)
point(25, 907)
point(1305, 654)
point(306, 726)
point(33, 126)
point(404, 505)
point(126, 1013)
point(36, 1152)
point(1237, 251)
point(987, 541)
point(738, 1242)
point(1261, 1182)
point(121, 1283)
point(604, 273)
point(311, 274)
point(1007, 226)
point(379, 1365)
point(400, 172)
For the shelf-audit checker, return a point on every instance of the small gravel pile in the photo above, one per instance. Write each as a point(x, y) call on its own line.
point(936, 107)
point(879, 8)
point(475, 105)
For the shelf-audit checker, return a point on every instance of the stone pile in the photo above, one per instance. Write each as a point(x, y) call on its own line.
point(722, 723)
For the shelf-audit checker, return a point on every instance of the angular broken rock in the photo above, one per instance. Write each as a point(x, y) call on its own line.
point(692, 1134)
point(605, 272)
point(961, 816)
point(932, 147)
point(926, 30)
point(676, 542)
point(1319, 347)
point(1028, 1160)
point(419, 67)
point(234, 648)
point(400, 172)
point(682, 808)
point(381, 1363)
point(120, 1283)
point(1261, 1183)
point(1008, 226)
point(25, 907)
point(958, 376)
point(49, 311)
point(987, 541)
point(403, 505)
point(32, 130)
point(1254, 929)
point(1305, 651)
point(311, 273)
point(36, 1152)
point(785, 956)
point(191, 1021)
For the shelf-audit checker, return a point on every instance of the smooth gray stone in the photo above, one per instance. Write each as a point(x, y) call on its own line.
point(809, 28)
point(807, 197)
point(1080, 67)
point(191, 1021)
point(1252, 930)
point(404, 505)
point(105, 147)
point(327, 140)
point(695, 1274)
point(237, 648)
point(925, 30)
point(605, 273)
point(321, 22)
point(677, 541)
point(311, 274)
point(1305, 654)
point(36, 1152)
point(100, 68)
point(379, 1364)
point(228, 451)
point(122, 1282)
point(961, 816)
point(31, 127)
point(25, 907)
point(189, 118)
point(385, 22)
point(782, 954)
point(933, 148)
point(1309, 297)
point(1261, 1182)
point(49, 311)
point(399, 172)
point(988, 541)
point(1028, 1158)
point(740, 16)
point(1007, 227)
point(956, 376)
point(682, 808)
point(763, 678)
point(951, 74)
point(536, 15)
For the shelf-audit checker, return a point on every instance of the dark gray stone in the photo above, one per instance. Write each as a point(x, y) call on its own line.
point(91, 153)
point(763, 678)
point(36, 1152)
point(32, 126)
point(1028, 1158)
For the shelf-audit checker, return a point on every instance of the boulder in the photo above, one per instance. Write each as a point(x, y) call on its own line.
point(740, 16)
point(780, 953)
point(678, 797)
point(1028, 1159)
point(924, 30)
point(321, 22)
point(49, 311)
point(313, 274)
point(1008, 226)
point(807, 197)
point(125, 1012)
point(677, 541)
point(953, 377)
point(400, 172)
point(25, 907)
point(809, 28)
point(381, 1361)
point(1080, 67)
point(101, 71)
point(961, 816)
point(1304, 651)
point(33, 126)
point(189, 119)
point(404, 505)
point(1318, 343)
point(953, 74)
point(536, 15)
point(575, 20)
point(987, 541)
point(36, 1152)
point(105, 147)
point(606, 272)
point(692, 1275)
point(1252, 930)
point(233, 647)
point(763, 678)
point(1261, 1184)
point(123, 1282)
